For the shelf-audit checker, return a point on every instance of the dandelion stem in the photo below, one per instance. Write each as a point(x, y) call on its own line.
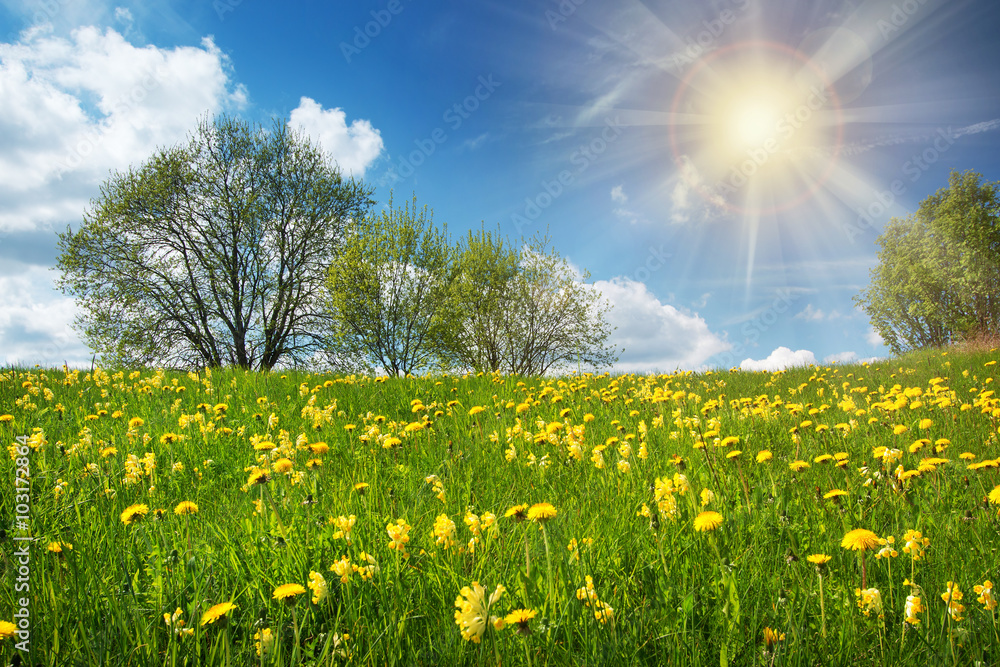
point(822, 609)
point(527, 556)
point(548, 565)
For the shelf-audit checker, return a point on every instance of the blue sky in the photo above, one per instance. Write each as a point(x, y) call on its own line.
point(721, 168)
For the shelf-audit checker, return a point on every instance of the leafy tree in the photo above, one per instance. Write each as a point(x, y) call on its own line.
point(938, 276)
point(387, 288)
point(486, 273)
point(523, 311)
point(214, 252)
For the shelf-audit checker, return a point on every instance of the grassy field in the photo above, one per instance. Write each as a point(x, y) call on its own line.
point(843, 515)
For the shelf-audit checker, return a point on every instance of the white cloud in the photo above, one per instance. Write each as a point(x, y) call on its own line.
point(656, 336)
point(779, 360)
point(810, 314)
point(686, 199)
point(986, 126)
point(918, 136)
point(874, 338)
point(75, 108)
point(353, 146)
point(622, 213)
point(475, 143)
point(841, 358)
point(79, 104)
point(35, 322)
point(848, 358)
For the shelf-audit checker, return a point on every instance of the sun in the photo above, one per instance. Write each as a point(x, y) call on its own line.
point(752, 120)
point(759, 126)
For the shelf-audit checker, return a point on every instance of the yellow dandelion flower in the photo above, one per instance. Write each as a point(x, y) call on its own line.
point(519, 512)
point(520, 618)
point(216, 613)
point(258, 476)
point(541, 512)
point(185, 507)
point(707, 521)
point(860, 539)
point(764, 456)
point(134, 513)
point(287, 592)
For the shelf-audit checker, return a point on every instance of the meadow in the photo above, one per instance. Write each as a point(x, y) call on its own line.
point(817, 516)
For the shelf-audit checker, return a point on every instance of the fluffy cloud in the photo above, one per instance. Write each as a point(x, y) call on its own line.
point(79, 104)
point(874, 338)
point(621, 212)
point(655, 336)
point(76, 107)
point(353, 146)
point(848, 358)
point(810, 314)
point(841, 358)
point(685, 199)
point(35, 323)
point(779, 360)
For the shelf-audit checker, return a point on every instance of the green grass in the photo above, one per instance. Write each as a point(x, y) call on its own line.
point(679, 596)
